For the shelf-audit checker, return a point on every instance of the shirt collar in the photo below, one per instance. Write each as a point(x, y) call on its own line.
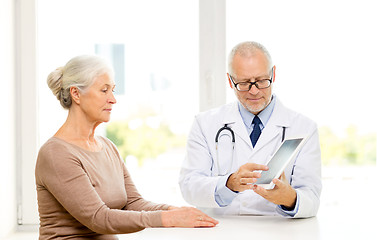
point(264, 116)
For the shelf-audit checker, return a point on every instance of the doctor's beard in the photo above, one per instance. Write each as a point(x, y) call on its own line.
point(256, 109)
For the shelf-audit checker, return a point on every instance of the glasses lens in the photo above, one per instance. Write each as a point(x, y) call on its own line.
point(243, 86)
point(263, 84)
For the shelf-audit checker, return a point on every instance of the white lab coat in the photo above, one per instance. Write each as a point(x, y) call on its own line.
point(198, 177)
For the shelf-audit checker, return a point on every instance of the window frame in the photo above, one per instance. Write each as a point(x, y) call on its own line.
point(212, 75)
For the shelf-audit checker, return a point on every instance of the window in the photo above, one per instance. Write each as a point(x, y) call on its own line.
point(318, 47)
point(324, 52)
point(155, 48)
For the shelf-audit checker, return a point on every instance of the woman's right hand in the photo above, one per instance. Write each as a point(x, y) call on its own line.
point(187, 217)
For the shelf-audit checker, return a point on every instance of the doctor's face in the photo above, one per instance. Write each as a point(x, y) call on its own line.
point(250, 69)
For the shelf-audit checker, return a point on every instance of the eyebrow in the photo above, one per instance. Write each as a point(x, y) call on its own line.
point(108, 85)
point(256, 78)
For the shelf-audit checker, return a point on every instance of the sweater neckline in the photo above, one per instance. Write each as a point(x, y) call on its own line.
point(80, 148)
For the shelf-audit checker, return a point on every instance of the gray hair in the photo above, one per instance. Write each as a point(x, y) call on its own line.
point(247, 49)
point(79, 72)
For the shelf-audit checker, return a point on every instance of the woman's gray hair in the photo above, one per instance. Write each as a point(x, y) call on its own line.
point(80, 72)
point(247, 49)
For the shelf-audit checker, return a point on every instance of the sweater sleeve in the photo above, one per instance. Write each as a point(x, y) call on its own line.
point(63, 175)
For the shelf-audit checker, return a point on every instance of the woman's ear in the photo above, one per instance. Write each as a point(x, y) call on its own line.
point(75, 94)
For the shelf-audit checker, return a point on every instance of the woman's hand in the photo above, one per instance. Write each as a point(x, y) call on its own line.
point(186, 217)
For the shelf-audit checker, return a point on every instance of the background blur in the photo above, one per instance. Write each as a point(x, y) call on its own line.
point(324, 52)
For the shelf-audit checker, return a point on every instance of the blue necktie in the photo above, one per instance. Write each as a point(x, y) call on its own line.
point(254, 136)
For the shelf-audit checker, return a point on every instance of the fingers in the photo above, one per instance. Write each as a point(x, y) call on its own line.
point(201, 219)
point(201, 216)
point(281, 194)
point(204, 220)
point(249, 177)
point(255, 167)
point(283, 178)
point(247, 174)
point(247, 181)
point(172, 208)
point(250, 173)
point(205, 224)
point(281, 182)
point(260, 190)
point(278, 183)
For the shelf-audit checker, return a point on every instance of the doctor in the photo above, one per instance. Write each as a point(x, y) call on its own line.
point(227, 147)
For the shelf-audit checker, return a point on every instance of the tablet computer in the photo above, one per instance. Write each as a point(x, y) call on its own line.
point(279, 161)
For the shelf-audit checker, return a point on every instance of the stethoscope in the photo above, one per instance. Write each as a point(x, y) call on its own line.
point(233, 143)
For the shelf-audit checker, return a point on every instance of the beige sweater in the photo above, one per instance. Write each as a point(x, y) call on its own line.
point(83, 194)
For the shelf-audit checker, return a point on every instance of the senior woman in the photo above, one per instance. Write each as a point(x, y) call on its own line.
point(84, 189)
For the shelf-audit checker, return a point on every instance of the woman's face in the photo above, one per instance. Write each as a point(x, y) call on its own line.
point(97, 101)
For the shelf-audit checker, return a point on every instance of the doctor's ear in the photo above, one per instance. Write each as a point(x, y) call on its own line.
point(229, 80)
point(273, 73)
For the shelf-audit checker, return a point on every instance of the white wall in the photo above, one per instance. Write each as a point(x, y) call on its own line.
point(7, 120)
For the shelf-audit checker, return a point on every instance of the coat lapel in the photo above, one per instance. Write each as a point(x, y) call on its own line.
point(274, 128)
point(279, 118)
point(234, 120)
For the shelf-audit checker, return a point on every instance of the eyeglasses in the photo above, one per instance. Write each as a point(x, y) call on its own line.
point(246, 86)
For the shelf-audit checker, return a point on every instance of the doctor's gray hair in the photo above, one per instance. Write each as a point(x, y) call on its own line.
point(247, 49)
point(80, 72)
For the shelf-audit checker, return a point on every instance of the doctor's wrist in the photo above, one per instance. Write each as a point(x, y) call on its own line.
point(230, 183)
point(290, 205)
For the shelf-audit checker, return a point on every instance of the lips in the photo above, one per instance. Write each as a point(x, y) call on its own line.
point(254, 99)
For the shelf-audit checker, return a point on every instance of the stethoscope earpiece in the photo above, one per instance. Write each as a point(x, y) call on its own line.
point(217, 142)
point(224, 128)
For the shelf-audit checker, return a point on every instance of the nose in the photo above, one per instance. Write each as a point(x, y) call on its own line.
point(112, 99)
point(254, 90)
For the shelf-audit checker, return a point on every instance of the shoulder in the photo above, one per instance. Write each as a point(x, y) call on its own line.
point(54, 156)
point(298, 117)
point(54, 147)
point(294, 119)
point(218, 112)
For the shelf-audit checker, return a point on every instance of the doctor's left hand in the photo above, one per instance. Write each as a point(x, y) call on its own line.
point(282, 194)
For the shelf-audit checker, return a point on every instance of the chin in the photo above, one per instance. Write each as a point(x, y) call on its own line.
point(256, 109)
point(105, 118)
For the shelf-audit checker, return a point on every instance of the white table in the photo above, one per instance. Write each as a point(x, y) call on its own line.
point(348, 212)
point(331, 223)
point(242, 227)
point(266, 227)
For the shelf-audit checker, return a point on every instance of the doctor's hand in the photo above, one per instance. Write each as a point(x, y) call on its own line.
point(186, 217)
point(245, 175)
point(282, 194)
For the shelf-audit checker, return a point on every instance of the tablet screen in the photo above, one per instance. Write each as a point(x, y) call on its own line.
point(279, 160)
